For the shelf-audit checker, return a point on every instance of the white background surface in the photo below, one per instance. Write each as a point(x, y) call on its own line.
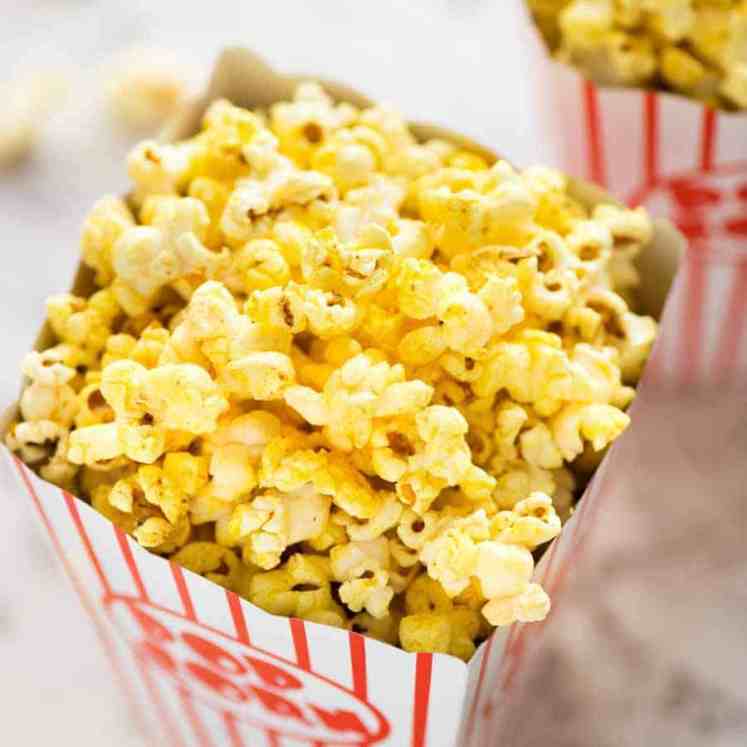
point(460, 63)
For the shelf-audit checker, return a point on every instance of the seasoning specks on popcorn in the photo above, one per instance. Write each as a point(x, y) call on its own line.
point(341, 372)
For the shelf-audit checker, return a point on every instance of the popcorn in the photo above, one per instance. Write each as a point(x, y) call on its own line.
point(301, 589)
point(179, 396)
point(232, 472)
point(349, 376)
point(261, 376)
point(92, 407)
point(169, 248)
point(94, 443)
point(449, 633)
point(503, 569)
point(274, 521)
point(27, 104)
point(83, 323)
point(532, 522)
point(600, 424)
point(158, 168)
point(108, 220)
point(31, 438)
point(214, 562)
point(182, 397)
point(145, 87)
point(372, 594)
point(49, 396)
point(531, 605)
point(694, 48)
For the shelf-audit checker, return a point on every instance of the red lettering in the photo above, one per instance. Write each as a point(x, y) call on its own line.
point(691, 194)
point(278, 705)
point(150, 626)
point(214, 654)
point(341, 721)
point(737, 227)
point(274, 676)
point(156, 655)
point(219, 684)
point(694, 226)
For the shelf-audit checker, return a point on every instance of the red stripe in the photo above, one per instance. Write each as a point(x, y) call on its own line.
point(165, 716)
point(657, 366)
point(298, 633)
point(651, 143)
point(597, 171)
point(272, 739)
point(515, 650)
point(597, 495)
point(95, 563)
point(734, 328)
point(358, 665)
point(509, 639)
point(582, 522)
point(423, 670)
point(688, 364)
point(654, 367)
point(129, 559)
point(708, 139)
point(183, 591)
point(518, 648)
point(198, 728)
point(233, 730)
point(101, 633)
point(239, 622)
point(478, 689)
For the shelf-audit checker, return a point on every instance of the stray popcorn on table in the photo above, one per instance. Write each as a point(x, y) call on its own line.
point(694, 47)
point(346, 374)
point(28, 103)
point(145, 86)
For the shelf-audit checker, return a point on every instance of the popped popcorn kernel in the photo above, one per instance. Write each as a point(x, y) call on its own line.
point(214, 562)
point(28, 103)
point(144, 87)
point(347, 375)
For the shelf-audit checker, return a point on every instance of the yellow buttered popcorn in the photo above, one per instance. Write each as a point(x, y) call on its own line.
point(348, 375)
point(694, 47)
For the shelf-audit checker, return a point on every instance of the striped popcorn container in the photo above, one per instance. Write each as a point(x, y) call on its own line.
point(682, 160)
point(204, 668)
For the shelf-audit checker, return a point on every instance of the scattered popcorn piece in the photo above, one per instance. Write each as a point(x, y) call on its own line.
point(146, 86)
point(27, 104)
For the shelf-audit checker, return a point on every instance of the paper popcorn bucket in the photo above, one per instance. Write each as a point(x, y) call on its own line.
point(204, 667)
point(681, 159)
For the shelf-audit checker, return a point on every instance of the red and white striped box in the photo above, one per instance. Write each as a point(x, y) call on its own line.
point(203, 667)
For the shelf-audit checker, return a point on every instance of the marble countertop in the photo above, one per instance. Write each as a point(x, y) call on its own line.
point(461, 63)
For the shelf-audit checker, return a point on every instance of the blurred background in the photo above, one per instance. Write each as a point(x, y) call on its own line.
point(460, 63)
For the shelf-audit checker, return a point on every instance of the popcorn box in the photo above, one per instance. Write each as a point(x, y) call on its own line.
point(681, 159)
point(203, 667)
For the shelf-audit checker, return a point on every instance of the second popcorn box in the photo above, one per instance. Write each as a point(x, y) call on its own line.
point(326, 386)
point(649, 99)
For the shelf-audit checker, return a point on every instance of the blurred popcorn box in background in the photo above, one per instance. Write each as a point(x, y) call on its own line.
point(203, 667)
point(680, 158)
